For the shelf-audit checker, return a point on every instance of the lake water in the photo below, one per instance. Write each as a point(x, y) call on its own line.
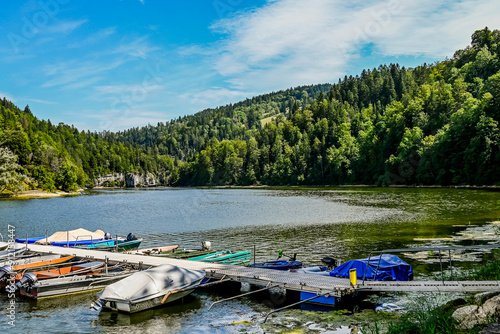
point(344, 223)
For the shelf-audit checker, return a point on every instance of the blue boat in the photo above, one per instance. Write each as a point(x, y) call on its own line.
point(278, 265)
point(385, 267)
point(76, 243)
point(113, 245)
point(321, 300)
point(30, 240)
point(63, 243)
point(77, 237)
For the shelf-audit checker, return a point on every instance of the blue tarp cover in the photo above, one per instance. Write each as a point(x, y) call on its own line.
point(391, 268)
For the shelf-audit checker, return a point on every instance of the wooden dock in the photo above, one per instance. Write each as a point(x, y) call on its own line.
point(265, 277)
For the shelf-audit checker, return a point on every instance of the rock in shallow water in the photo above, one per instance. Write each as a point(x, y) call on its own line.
point(472, 315)
point(491, 329)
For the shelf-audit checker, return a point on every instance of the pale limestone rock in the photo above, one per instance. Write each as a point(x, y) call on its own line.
point(469, 316)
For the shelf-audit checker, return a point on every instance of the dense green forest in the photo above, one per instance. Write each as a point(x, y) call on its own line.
point(434, 124)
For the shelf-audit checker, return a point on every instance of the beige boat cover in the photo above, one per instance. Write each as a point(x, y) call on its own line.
point(151, 283)
point(61, 236)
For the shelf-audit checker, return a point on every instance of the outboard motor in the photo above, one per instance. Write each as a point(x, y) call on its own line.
point(131, 237)
point(97, 305)
point(107, 236)
point(206, 245)
point(6, 272)
point(330, 262)
point(28, 280)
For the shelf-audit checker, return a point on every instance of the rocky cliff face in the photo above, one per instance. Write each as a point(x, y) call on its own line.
point(135, 180)
point(132, 180)
point(101, 180)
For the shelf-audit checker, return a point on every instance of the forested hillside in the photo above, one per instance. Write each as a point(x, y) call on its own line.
point(434, 124)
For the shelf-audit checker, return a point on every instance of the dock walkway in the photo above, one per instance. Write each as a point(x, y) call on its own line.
point(293, 281)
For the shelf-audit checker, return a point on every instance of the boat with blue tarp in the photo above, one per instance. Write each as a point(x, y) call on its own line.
point(386, 267)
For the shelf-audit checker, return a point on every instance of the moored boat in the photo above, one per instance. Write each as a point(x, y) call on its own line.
point(69, 238)
point(11, 253)
point(149, 288)
point(175, 253)
point(19, 260)
point(225, 257)
point(184, 253)
point(156, 250)
point(71, 285)
point(278, 265)
point(42, 263)
point(115, 246)
point(386, 267)
point(85, 268)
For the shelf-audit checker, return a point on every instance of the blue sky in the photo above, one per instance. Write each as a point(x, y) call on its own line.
point(113, 65)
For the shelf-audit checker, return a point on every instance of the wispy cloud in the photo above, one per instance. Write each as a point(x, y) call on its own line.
point(7, 96)
point(292, 42)
point(64, 27)
point(74, 72)
point(94, 38)
point(215, 95)
point(41, 101)
point(139, 48)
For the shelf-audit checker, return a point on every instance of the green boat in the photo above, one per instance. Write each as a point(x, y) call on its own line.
point(117, 246)
point(185, 253)
point(225, 257)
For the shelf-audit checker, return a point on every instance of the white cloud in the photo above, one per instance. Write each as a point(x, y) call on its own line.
point(64, 27)
point(293, 42)
point(128, 89)
point(215, 96)
point(7, 96)
point(74, 72)
point(137, 48)
point(94, 38)
point(41, 101)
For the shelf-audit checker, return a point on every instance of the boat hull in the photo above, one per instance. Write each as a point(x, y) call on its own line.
point(156, 250)
point(122, 246)
point(330, 301)
point(149, 289)
point(134, 307)
point(184, 253)
point(240, 258)
point(70, 285)
point(28, 260)
point(278, 265)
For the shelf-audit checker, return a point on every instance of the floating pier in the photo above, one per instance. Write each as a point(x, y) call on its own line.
point(318, 284)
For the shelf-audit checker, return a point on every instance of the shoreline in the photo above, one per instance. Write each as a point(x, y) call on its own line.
point(32, 194)
point(41, 194)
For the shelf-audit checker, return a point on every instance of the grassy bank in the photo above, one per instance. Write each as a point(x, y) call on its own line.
point(428, 317)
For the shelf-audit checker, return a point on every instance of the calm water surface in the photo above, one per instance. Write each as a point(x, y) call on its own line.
point(343, 223)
